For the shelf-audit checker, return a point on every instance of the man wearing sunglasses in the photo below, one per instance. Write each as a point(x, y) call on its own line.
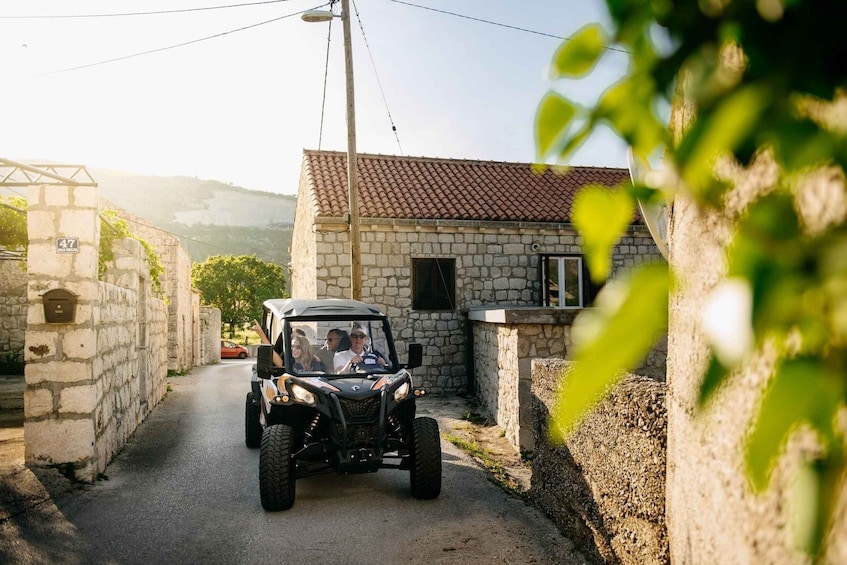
point(336, 340)
point(357, 356)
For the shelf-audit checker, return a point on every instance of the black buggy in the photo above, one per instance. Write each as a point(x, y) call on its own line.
point(314, 420)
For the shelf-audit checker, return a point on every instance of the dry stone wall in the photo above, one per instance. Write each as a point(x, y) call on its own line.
point(183, 311)
point(605, 484)
point(13, 307)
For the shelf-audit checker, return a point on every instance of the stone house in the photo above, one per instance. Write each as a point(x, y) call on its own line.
point(442, 237)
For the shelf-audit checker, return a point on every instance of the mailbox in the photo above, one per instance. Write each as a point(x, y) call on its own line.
point(59, 306)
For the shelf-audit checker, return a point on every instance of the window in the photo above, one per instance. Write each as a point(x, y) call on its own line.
point(434, 284)
point(565, 282)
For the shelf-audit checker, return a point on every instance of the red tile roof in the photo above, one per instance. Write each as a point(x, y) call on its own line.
point(429, 188)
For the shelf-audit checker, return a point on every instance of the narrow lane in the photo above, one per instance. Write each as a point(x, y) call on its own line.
point(185, 490)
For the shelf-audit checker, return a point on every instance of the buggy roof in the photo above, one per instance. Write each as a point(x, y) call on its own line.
point(327, 307)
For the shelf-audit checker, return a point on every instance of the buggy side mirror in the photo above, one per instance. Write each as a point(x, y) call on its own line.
point(415, 355)
point(265, 361)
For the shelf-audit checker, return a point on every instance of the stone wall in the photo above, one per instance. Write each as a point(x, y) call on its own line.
point(210, 335)
point(303, 283)
point(183, 317)
point(605, 485)
point(89, 381)
point(505, 341)
point(496, 263)
point(13, 306)
point(712, 511)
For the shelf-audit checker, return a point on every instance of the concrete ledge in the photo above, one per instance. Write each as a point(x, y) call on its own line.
point(523, 315)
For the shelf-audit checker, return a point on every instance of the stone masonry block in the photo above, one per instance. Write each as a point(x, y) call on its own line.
point(37, 402)
point(81, 399)
point(47, 263)
point(85, 262)
point(40, 225)
point(80, 344)
point(57, 196)
point(57, 371)
point(40, 345)
point(79, 223)
point(50, 442)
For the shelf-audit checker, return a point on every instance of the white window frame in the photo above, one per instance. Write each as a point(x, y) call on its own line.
point(561, 261)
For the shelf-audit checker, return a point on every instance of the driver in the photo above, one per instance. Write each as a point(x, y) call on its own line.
point(351, 359)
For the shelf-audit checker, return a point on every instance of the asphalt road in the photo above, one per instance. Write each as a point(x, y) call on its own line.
point(185, 489)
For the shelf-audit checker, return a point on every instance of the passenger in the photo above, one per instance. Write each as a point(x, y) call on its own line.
point(348, 361)
point(304, 358)
point(336, 340)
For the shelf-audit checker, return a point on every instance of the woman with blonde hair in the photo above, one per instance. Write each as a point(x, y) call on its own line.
point(304, 356)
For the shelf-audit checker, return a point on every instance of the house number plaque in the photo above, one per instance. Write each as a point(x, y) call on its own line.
point(67, 245)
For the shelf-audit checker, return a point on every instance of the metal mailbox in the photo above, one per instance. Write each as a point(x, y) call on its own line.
point(59, 306)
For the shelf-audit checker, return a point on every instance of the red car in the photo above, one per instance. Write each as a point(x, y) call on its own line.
point(231, 350)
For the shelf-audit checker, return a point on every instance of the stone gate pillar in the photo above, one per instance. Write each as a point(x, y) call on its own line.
point(62, 391)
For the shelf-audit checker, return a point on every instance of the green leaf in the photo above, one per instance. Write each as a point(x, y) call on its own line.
point(802, 391)
point(627, 328)
point(601, 215)
point(553, 118)
point(578, 55)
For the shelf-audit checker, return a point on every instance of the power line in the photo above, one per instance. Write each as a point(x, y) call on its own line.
point(160, 49)
point(118, 15)
point(378, 81)
point(516, 28)
point(326, 74)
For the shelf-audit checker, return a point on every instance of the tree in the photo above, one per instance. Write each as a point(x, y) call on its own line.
point(238, 286)
point(13, 233)
point(756, 88)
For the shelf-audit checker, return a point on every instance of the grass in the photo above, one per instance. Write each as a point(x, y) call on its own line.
point(476, 419)
point(243, 336)
point(498, 474)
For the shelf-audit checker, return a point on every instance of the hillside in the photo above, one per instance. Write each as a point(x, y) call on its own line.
point(210, 217)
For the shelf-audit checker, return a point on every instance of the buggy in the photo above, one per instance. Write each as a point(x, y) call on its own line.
point(332, 416)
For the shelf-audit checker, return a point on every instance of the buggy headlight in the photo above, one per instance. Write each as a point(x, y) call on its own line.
point(303, 395)
point(401, 392)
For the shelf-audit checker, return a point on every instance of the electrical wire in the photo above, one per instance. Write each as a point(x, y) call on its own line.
point(169, 47)
point(118, 15)
point(323, 97)
point(525, 30)
point(378, 81)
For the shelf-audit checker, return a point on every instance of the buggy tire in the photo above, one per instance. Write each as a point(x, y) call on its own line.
point(425, 467)
point(276, 468)
point(252, 425)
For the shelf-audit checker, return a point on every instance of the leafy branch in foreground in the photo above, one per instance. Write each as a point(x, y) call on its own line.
point(731, 67)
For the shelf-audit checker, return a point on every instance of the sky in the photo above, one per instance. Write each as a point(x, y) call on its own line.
point(149, 94)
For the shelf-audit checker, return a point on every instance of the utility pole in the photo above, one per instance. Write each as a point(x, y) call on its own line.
point(352, 164)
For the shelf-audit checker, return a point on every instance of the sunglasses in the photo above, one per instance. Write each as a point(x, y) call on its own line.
point(358, 336)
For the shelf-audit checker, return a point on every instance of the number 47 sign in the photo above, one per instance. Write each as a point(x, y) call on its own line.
point(67, 245)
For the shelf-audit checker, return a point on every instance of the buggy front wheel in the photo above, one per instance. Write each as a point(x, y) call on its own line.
point(425, 464)
point(276, 468)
